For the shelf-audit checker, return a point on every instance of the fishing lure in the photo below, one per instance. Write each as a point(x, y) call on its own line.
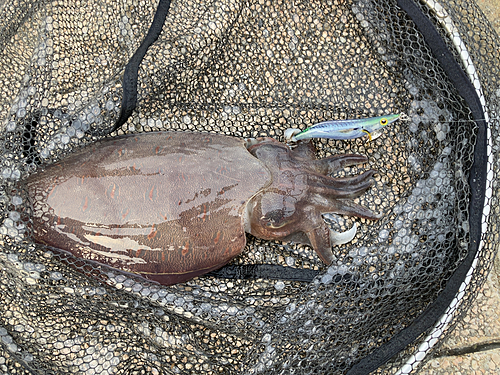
point(344, 129)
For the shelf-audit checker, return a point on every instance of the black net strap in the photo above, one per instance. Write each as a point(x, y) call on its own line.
point(129, 99)
point(264, 271)
point(477, 183)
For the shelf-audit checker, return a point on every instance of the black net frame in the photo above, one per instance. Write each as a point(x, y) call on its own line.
point(283, 326)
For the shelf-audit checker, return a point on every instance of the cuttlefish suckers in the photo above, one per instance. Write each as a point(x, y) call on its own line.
point(347, 129)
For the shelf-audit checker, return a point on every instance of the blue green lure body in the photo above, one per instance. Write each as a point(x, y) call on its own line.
point(347, 129)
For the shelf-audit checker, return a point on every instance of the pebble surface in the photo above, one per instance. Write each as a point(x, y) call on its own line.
point(473, 346)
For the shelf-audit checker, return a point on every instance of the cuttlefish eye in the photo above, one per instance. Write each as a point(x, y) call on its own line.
point(383, 121)
point(275, 219)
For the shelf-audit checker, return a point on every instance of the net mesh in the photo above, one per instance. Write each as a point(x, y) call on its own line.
point(245, 69)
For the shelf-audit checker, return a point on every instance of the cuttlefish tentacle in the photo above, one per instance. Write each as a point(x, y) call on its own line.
point(332, 193)
point(334, 163)
point(349, 208)
point(329, 187)
point(305, 151)
point(322, 239)
point(354, 180)
point(348, 182)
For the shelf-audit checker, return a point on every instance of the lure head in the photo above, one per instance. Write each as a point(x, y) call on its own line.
point(386, 120)
point(376, 123)
point(374, 126)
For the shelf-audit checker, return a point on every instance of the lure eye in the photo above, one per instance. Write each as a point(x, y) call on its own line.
point(383, 121)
